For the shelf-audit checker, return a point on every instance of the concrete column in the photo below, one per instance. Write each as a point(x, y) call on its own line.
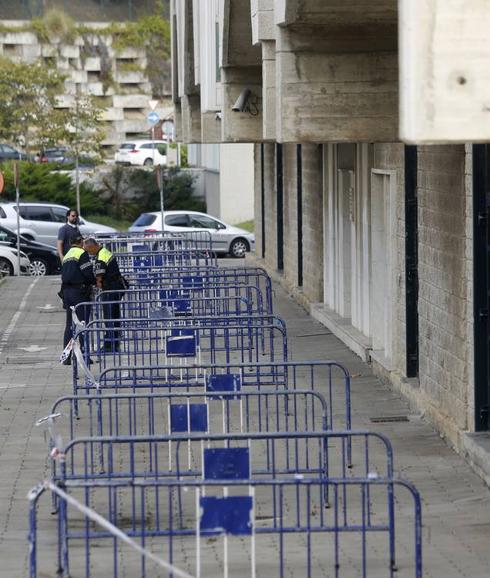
point(191, 118)
point(241, 71)
point(246, 125)
point(269, 90)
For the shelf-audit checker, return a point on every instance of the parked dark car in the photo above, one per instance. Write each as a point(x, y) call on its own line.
point(60, 155)
point(8, 153)
point(44, 259)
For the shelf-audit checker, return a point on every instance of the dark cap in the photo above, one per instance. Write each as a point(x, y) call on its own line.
point(76, 240)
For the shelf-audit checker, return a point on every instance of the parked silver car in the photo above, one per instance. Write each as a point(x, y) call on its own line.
point(226, 238)
point(41, 221)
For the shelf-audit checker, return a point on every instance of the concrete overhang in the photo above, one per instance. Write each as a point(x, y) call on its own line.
point(335, 82)
point(336, 13)
point(262, 14)
point(241, 71)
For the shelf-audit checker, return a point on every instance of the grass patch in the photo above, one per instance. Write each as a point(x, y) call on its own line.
point(120, 225)
point(247, 225)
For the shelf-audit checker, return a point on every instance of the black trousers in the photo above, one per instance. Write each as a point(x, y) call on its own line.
point(111, 308)
point(74, 296)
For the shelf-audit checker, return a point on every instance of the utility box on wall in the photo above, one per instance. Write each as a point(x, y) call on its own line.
point(444, 71)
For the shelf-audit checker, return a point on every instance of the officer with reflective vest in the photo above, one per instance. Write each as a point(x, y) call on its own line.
point(77, 279)
point(109, 279)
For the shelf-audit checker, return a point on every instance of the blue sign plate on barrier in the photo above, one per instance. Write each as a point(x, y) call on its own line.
point(224, 383)
point(226, 464)
point(231, 515)
point(181, 346)
point(180, 414)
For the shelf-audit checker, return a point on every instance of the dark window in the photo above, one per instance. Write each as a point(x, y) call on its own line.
point(146, 146)
point(59, 214)
point(127, 146)
point(36, 213)
point(6, 235)
point(177, 220)
point(3, 214)
point(144, 220)
point(203, 222)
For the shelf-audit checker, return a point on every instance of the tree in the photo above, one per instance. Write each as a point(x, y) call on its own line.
point(28, 114)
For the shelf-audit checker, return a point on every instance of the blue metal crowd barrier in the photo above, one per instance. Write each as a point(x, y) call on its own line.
point(178, 289)
point(155, 342)
point(180, 454)
point(206, 276)
point(153, 414)
point(261, 528)
point(166, 241)
point(169, 304)
point(328, 378)
point(192, 426)
point(149, 261)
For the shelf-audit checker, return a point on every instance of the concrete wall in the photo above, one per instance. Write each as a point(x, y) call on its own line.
point(444, 306)
point(312, 222)
point(237, 182)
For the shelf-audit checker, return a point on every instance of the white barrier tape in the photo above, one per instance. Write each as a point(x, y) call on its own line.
point(82, 364)
point(54, 435)
point(66, 353)
point(79, 325)
point(114, 530)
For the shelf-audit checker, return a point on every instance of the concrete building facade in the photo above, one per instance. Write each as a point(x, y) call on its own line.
point(384, 241)
point(227, 179)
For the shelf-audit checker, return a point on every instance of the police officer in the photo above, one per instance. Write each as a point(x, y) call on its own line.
point(108, 278)
point(77, 278)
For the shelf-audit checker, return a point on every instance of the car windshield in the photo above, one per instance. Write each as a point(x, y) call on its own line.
point(145, 220)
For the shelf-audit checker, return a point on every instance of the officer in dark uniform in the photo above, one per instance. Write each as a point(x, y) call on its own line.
point(77, 279)
point(108, 278)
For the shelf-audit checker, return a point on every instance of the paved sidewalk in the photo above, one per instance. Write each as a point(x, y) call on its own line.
point(456, 503)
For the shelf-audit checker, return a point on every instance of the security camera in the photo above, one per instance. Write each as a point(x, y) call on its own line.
point(241, 104)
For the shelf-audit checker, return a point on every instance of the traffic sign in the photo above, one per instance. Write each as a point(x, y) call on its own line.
point(152, 104)
point(153, 117)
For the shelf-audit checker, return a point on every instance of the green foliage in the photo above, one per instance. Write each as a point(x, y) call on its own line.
point(27, 107)
point(144, 192)
point(58, 24)
point(118, 224)
point(178, 190)
point(247, 225)
point(39, 182)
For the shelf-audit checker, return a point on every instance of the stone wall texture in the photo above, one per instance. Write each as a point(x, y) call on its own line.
point(444, 300)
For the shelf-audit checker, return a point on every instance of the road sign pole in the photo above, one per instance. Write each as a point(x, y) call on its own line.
point(161, 199)
point(153, 144)
point(17, 201)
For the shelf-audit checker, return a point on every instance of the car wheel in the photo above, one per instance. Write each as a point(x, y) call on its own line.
point(38, 268)
point(30, 237)
point(238, 248)
point(6, 268)
point(148, 162)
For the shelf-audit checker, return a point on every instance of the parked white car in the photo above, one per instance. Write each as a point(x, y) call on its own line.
point(226, 238)
point(142, 153)
point(41, 221)
point(9, 264)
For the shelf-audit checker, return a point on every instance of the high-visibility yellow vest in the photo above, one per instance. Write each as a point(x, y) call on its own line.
point(104, 255)
point(73, 254)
